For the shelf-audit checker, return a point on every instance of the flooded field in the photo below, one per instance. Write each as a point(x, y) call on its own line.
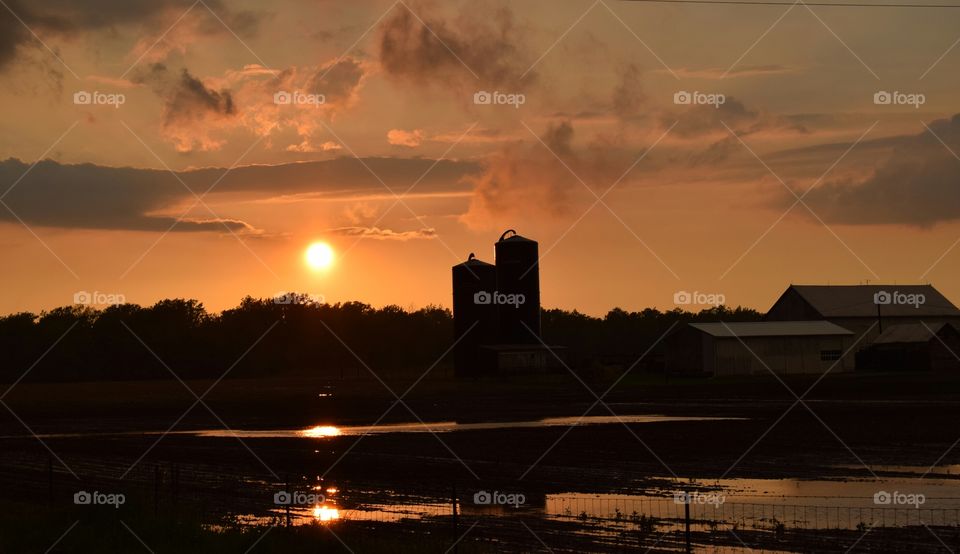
point(653, 475)
point(320, 431)
point(810, 504)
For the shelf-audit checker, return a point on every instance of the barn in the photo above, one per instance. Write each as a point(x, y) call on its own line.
point(866, 309)
point(786, 347)
point(913, 347)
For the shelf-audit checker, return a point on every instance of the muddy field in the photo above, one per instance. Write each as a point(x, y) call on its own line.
point(109, 437)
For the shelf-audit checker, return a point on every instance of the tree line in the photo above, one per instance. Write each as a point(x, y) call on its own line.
point(264, 337)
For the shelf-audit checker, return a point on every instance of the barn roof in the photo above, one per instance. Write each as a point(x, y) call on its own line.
point(909, 333)
point(771, 329)
point(858, 300)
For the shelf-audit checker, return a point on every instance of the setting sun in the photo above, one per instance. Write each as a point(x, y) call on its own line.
point(319, 255)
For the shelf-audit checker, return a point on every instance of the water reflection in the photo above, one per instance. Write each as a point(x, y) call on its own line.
point(321, 431)
point(324, 513)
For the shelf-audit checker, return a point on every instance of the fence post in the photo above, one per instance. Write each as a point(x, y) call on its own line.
point(454, 506)
point(686, 517)
point(286, 507)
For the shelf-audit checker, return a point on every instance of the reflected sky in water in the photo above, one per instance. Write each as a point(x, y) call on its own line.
point(322, 431)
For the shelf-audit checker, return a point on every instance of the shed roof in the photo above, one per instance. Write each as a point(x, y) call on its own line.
point(858, 300)
point(771, 329)
point(910, 333)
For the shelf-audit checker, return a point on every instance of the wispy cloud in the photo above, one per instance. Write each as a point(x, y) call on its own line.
point(384, 234)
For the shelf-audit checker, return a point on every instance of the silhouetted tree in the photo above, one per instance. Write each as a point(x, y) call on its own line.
point(294, 335)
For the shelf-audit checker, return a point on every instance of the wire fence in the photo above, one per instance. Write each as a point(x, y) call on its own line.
point(663, 524)
point(504, 523)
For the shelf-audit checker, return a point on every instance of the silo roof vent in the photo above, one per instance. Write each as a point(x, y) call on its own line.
point(514, 238)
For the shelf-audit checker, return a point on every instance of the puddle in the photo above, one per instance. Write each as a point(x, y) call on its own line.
point(321, 431)
point(734, 503)
point(810, 504)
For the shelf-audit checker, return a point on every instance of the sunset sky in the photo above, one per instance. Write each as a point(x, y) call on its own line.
point(200, 185)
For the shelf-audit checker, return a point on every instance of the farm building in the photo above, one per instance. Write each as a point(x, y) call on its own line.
point(496, 312)
point(913, 347)
point(738, 348)
point(869, 309)
point(513, 358)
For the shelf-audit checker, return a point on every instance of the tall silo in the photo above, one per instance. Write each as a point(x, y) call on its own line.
point(518, 279)
point(474, 315)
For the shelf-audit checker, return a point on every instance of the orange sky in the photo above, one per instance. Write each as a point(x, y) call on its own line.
point(632, 195)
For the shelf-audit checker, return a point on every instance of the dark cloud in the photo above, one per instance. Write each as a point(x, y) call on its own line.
point(628, 96)
point(342, 176)
point(187, 98)
point(694, 121)
point(918, 183)
point(704, 119)
point(12, 35)
point(337, 80)
point(191, 108)
point(739, 71)
point(558, 138)
point(68, 19)
point(384, 234)
point(96, 197)
point(436, 50)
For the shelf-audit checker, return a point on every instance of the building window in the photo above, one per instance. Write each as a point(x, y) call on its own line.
point(830, 355)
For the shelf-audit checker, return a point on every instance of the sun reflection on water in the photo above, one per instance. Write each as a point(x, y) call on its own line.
point(325, 513)
point(321, 431)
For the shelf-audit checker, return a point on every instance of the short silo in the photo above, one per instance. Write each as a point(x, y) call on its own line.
point(518, 289)
point(474, 313)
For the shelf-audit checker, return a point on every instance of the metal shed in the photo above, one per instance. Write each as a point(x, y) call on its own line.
point(785, 347)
